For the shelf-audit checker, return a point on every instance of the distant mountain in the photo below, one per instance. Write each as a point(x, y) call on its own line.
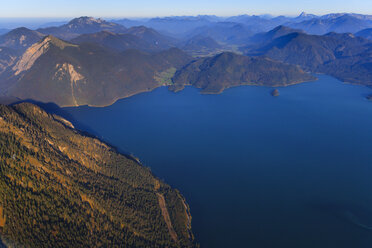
point(259, 24)
point(88, 74)
point(20, 38)
point(266, 37)
point(118, 42)
point(141, 37)
point(358, 16)
point(180, 25)
point(304, 17)
point(79, 191)
point(130, 22)
point(341, 55)
point(201, 45)
point(214, 74)
point(366, 33)
point(225, 32)
point(3, 31)
point(53, 24)
point(340, 23)
point(82, 25)
point(152, 37)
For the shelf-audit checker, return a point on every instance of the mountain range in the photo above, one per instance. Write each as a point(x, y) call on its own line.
point(180, 26)
point(343, 56)
point(344, 23)
point(104, 61)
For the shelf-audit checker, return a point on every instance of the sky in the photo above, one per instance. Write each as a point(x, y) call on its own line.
point(148, 8)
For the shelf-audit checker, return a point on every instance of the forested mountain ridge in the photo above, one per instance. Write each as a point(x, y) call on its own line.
point(343, 56)
point(225, 70)
point(78, 191)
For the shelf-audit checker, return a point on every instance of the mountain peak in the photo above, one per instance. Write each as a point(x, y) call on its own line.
point(20, 30)
point(303, 14)
point(20, 38)
point(52, 40)
point(35, 51)
point(83, 25)
point(141, 30)
point(86, 20)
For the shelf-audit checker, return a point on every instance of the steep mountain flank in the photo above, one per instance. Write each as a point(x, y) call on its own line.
point(8, 57)
point(78, 191)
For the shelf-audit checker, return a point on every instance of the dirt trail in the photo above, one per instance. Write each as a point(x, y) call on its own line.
point(2, 218)
point(164, 211)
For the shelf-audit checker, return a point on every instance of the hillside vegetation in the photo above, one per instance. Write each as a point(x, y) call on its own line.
point(60, 188)
point(214, 74)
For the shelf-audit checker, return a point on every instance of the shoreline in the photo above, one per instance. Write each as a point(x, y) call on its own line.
point(201, 91)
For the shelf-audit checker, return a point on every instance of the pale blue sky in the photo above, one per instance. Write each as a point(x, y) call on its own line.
point(147, 8)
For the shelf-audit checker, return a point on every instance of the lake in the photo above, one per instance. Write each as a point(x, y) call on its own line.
point(256, 170)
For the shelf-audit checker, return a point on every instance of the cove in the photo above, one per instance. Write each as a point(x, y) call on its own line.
point(256, 170)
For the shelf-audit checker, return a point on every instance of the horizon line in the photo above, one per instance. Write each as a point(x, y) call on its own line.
point(182, 15)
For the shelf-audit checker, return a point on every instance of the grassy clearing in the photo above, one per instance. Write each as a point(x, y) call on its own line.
point(164, 78)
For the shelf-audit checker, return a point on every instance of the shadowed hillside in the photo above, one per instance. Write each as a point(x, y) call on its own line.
point(225, 70)
point(343, 56)
point(20, 38)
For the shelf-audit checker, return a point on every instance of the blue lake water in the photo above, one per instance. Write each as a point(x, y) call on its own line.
point(256, 170)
